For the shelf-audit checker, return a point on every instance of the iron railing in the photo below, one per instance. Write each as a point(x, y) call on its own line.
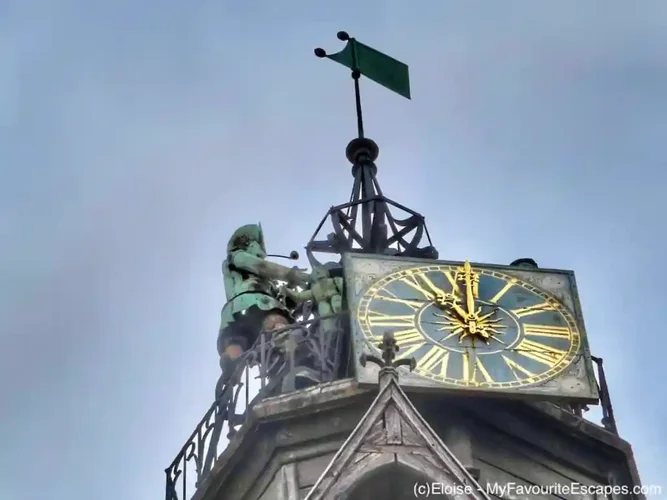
point(299, 355)
point(607, 421)
point(294, 357)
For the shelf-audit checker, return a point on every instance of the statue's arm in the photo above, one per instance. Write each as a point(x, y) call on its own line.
point(298, 297)
point(269, 270)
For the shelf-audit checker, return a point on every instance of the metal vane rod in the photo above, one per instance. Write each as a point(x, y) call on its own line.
point(357, 100)
point(356, 74)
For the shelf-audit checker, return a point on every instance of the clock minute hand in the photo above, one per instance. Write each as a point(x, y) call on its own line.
point(470, 297)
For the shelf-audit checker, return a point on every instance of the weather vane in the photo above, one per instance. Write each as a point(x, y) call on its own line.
point(379, 67)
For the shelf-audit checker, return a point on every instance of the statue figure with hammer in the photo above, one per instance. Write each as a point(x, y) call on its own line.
point(252, 304)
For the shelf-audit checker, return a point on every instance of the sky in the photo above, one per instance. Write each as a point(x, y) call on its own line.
point(136, 136)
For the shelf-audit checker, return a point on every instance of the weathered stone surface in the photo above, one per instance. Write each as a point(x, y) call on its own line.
point(290, 440)
point(377, 445)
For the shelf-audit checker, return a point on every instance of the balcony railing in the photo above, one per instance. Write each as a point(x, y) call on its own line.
point(300, 355)
point(608, 421)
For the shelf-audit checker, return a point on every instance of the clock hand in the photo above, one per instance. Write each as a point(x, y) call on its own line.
point(470, 298)
point(446, 299)
point(451, 300)
point(459, 310)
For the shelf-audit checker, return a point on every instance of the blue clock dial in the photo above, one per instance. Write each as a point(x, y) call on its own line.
point(471, 327)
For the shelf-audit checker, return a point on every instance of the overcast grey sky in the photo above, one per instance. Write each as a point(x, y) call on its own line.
point(135, 136)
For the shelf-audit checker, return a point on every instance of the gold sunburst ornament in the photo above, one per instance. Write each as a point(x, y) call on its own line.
point(467, 323)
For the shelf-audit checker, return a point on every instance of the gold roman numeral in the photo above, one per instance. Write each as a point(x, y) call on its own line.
point(522, 312)
point(429, 283)
point(474, 369)
point(430, 291)
point(375, 318)
point(412, 281)
point(539, 352)
point(558, 332)
point(481, 369)
point(516, 368)
point(466, 371)
point(452, 281)
point(415, 305)
point(435, 361)
point(503, 291)
point(410, 350)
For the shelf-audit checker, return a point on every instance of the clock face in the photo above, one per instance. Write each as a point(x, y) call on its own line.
point(470, 327)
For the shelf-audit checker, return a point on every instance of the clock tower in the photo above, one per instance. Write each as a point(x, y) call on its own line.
point(399, 375)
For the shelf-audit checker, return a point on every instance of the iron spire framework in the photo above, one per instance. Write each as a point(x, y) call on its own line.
point(370, 222)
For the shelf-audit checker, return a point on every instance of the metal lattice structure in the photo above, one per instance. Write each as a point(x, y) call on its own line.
point(370, 222)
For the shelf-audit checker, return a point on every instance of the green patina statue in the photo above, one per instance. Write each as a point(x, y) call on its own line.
point(252, 296)
point(326, 290)
point(326, 293)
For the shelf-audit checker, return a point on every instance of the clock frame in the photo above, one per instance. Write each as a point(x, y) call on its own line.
point(532, 349)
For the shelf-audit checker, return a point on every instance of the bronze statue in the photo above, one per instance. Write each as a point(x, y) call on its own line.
point(326, 291)
point(252, 304)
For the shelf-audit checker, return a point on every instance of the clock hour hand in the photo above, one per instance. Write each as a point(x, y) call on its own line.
point(451, 300)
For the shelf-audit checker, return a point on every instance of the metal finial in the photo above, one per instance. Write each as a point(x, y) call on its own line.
point(389, 348)
point(365, 150)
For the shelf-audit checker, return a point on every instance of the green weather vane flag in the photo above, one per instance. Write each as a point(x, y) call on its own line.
point(379, 67)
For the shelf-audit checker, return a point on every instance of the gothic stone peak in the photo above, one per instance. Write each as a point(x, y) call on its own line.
point(393, 432)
